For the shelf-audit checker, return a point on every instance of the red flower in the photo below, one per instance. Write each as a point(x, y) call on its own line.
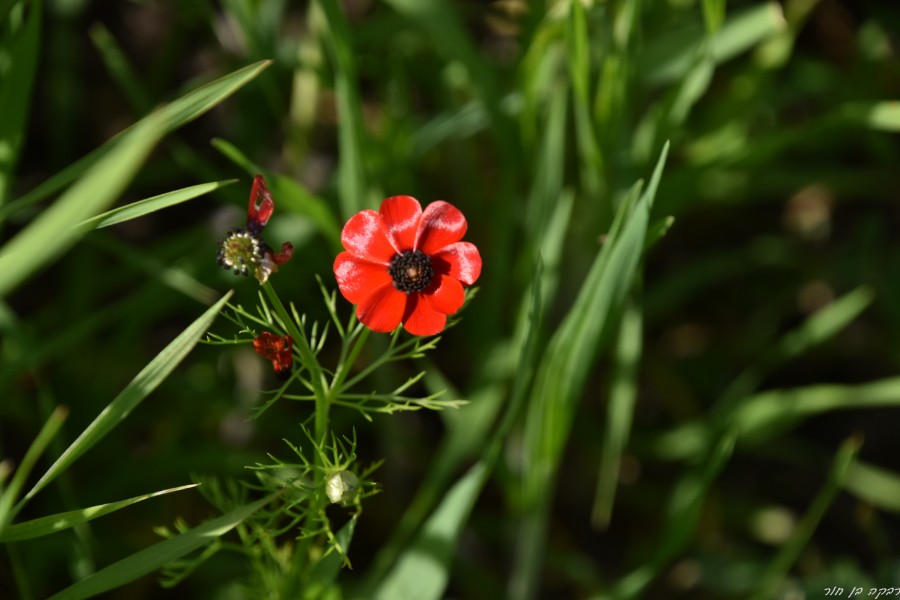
point(278, 350)
point(244, 250)
point(406, 265)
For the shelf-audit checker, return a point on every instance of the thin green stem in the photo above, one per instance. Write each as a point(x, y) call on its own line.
point(345, 365)
point(309, 361)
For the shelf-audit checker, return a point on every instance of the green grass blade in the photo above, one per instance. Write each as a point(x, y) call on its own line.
point(671, 56)
point(881, 116)
point(423, 570)
point(150, 205)
point(564, 369)
point(20, 53)
point(818, 328)
point(789, 553)
point(444, 26)
point(53, 523)
point(52, 232)
point(874, 485)
point(119, 67)
point(11, 492)
point(620, 411)
point(769, 414)
point(150, 559)
point(351, 128)
point(170, 117)
point(140, 387)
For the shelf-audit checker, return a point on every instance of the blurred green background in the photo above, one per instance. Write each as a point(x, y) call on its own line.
point(534, 118)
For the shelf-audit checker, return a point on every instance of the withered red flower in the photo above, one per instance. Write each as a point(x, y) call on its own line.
point(278, 350)
point(244, 250)
point(405, 265)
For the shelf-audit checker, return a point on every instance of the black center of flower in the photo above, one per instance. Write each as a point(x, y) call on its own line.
point(411, 271)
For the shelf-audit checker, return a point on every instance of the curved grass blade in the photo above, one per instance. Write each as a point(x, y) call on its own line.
point(150, 559)
point(148, 205)
point(140, 387)
point(53, 523)
point(170, 117)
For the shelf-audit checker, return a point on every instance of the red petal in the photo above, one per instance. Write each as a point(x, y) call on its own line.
point(420, 319)
point(287, 252)
point(461, 261)
point(448, 296)
point(364, 237)
point(401, 216)
point(357, 279)
point(442, 224)
point(383, 309)
point(261, 205)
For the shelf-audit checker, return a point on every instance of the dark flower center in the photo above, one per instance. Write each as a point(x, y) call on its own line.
point(411, 271)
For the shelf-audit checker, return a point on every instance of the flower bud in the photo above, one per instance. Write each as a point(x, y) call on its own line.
point(342, 487)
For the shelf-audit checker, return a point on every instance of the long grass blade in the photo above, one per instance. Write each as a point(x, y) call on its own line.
point(620, 411)
point(61, 521)
point(150, 205)
point(157, 556)
point(140, 387)
point(11, 492)
point(170, 117)
point(423, 570)
point(563, 371)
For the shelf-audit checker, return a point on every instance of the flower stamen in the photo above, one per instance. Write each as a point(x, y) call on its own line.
point(411, 271)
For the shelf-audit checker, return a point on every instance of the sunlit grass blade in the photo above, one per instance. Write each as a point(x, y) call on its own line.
point(11, 492)
point(159, 555)
point(789, 553)
point(879, 487)
point(149, 205)
point(670, 56)
point(882, 116)
point(170, 117)
point(767, 415)
point(59, 522)
point(50, 234)
point(563, 371)
point(20, 52)
point(619, 412)
point(423, 570)
point(140, 387)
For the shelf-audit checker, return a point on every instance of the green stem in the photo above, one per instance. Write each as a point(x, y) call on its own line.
point(309, 361)
point(346, 365)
